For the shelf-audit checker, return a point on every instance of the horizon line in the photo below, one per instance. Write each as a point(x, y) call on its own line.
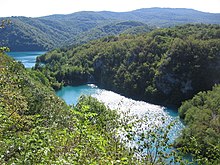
point(107, 11)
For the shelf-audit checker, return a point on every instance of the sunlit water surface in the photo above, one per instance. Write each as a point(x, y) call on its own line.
point(153, 113)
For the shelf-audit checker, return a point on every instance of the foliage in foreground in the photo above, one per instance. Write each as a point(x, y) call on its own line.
point(39, 128)
point(202, 134)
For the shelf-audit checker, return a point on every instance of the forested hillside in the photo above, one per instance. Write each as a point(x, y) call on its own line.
point(165, 66)
point(127, 27)
point(46, 33)
point(202, 134)
point(28, 34)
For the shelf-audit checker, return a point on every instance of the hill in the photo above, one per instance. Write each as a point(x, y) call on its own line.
point(164, 66)
point(45, 33)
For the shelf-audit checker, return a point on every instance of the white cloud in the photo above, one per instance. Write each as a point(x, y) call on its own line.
point(35, 8)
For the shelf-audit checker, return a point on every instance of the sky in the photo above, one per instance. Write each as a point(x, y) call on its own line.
point(37, 8)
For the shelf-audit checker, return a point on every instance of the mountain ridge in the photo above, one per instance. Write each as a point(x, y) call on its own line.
point(136, 10)
point(49, 32)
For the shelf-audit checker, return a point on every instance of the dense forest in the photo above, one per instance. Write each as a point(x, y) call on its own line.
point(29, 34)
point(37, 127)
point(165, 66)
point(201, 137)
point(46, 33)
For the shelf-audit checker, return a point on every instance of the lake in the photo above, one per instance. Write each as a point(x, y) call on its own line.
point(152, 112)
point(26, 58)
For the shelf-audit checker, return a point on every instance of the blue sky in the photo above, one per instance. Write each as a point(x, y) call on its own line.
point(36, 8)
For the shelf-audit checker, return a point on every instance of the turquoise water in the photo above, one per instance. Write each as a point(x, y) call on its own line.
point(153, 113)
point(26, 58)
point(71, 94)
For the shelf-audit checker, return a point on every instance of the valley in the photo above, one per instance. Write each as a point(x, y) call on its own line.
point(157, 72)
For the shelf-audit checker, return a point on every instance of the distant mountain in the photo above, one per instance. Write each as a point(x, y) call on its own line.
point(45, 33)
point(126, 27)
point(27, 34)
point(167, 16)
